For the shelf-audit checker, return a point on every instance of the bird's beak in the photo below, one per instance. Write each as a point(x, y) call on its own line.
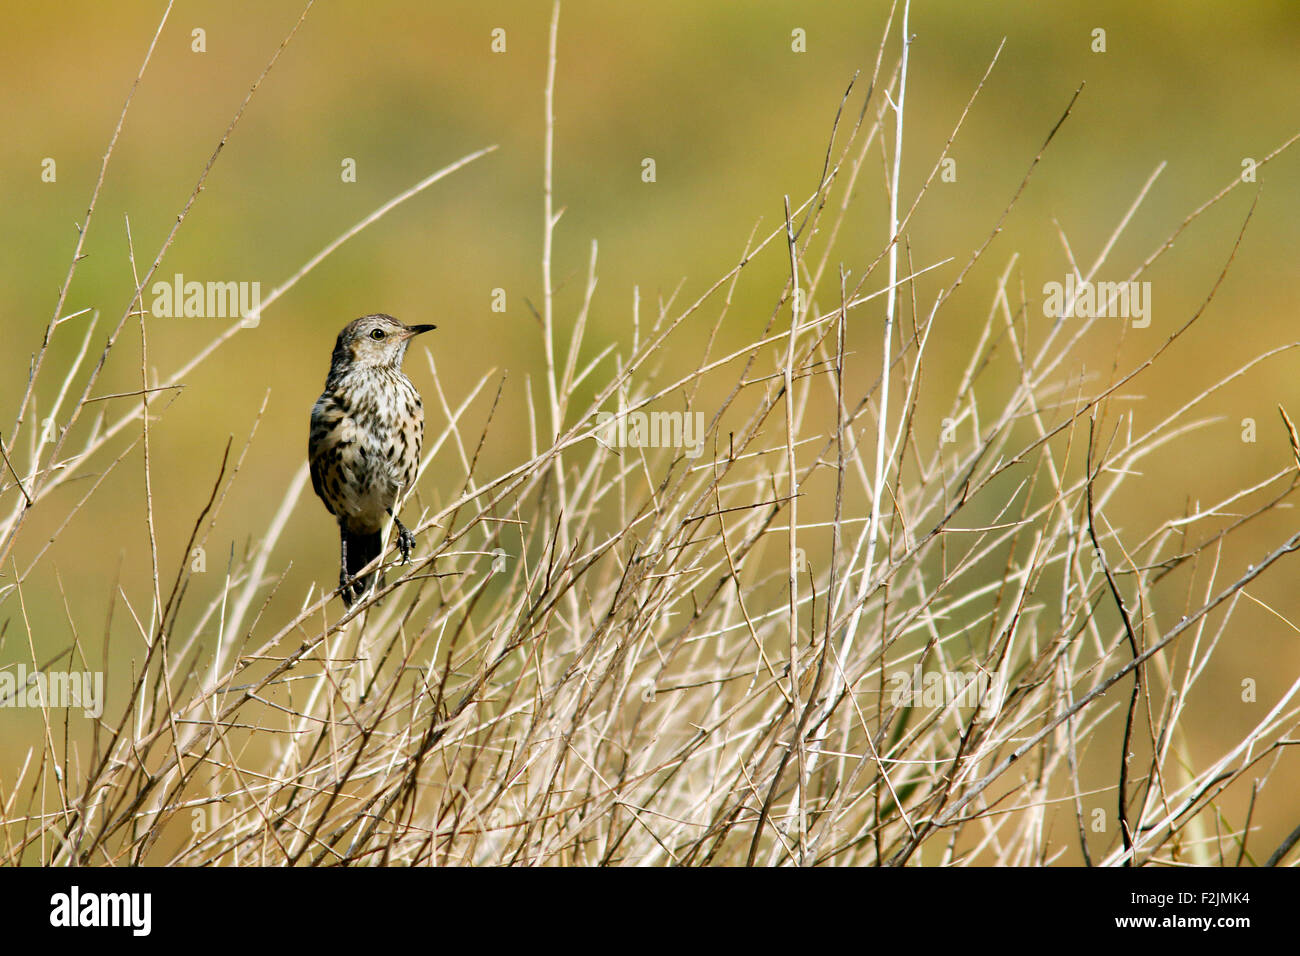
point(413, 330)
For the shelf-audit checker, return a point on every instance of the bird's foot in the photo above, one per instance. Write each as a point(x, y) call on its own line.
point(405, 542)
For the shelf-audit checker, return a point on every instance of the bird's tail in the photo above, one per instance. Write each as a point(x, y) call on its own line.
point(361, 550)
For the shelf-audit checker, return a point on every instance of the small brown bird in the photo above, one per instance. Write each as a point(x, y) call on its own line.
point(364, 448)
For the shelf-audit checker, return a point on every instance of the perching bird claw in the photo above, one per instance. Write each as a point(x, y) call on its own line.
point(405, 542)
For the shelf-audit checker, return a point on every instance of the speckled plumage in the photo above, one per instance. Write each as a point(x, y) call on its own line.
point(364, 447)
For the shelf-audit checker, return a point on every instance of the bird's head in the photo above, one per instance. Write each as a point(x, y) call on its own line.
point(375, 341)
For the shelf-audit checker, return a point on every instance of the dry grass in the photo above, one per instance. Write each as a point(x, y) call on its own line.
point(634, 655)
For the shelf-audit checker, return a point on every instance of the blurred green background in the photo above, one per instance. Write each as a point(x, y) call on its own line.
point(734, 120)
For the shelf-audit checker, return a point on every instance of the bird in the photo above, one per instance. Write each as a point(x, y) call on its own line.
point(364, 445)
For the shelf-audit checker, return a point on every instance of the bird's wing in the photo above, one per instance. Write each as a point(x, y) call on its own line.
point(327, 419)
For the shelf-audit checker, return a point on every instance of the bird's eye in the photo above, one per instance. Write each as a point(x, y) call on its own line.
point(376, 334)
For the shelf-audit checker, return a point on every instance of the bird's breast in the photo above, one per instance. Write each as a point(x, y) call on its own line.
point(367, 429)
